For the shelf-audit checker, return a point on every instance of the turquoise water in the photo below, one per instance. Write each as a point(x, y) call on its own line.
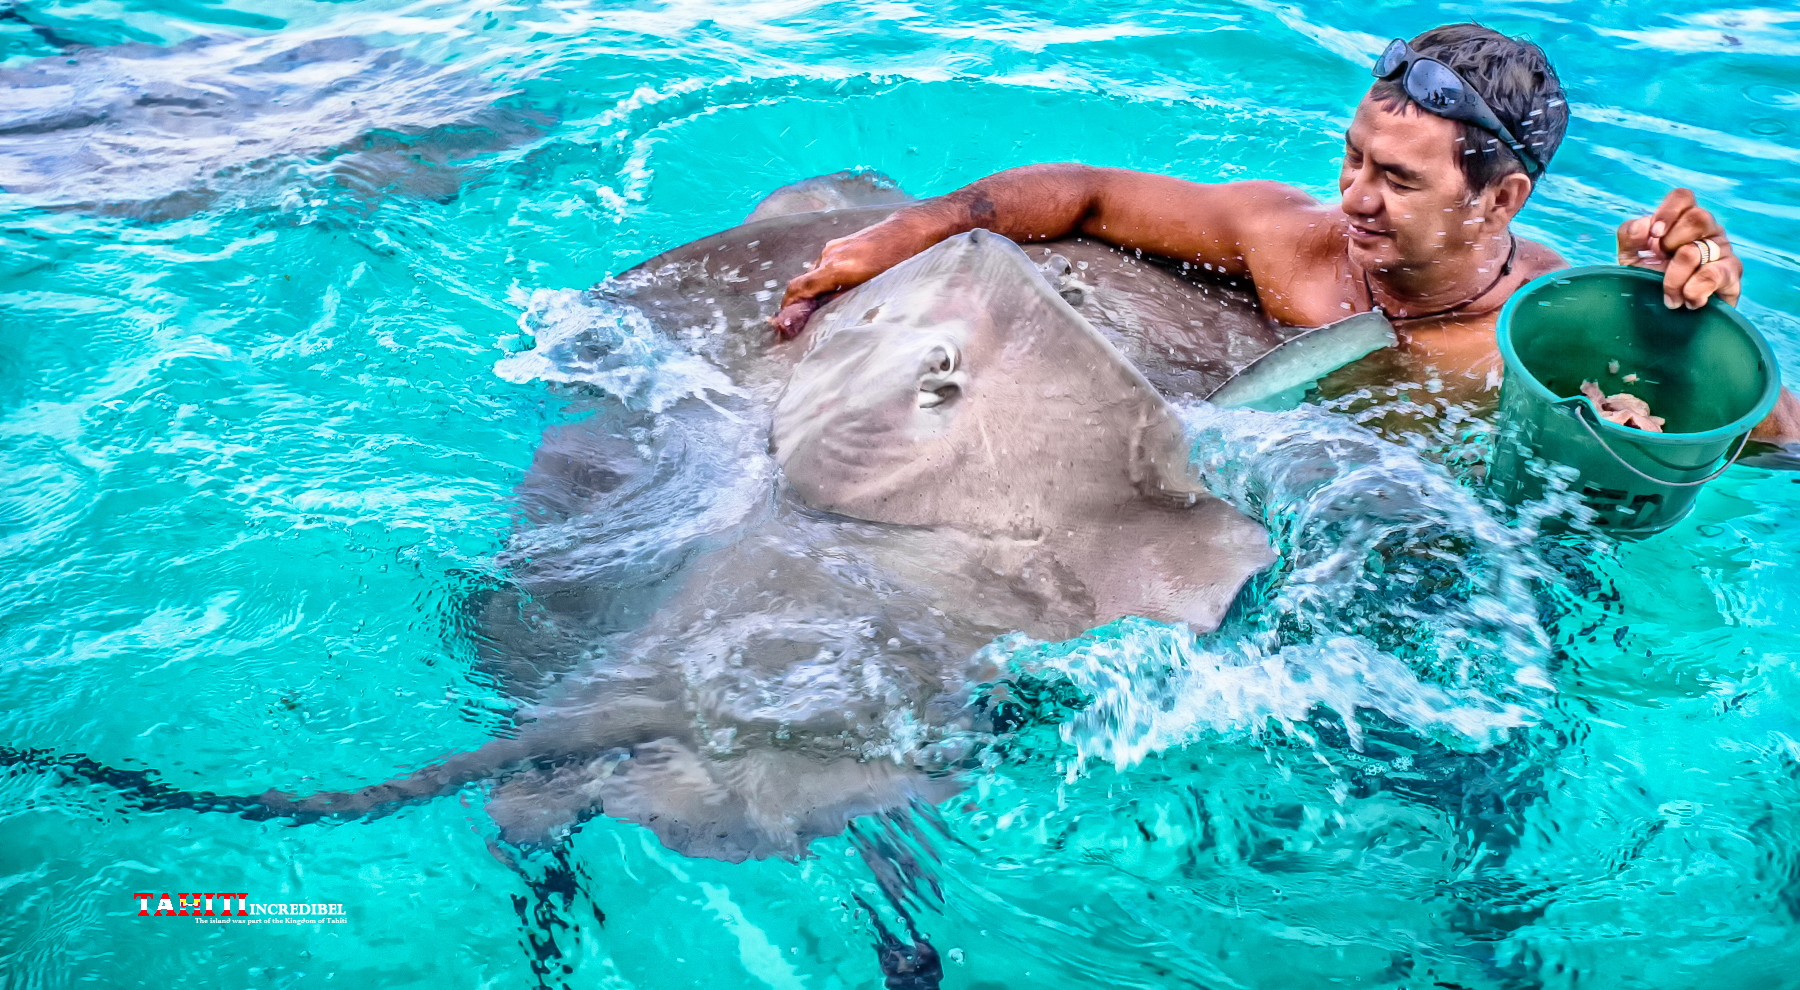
point(257, 457)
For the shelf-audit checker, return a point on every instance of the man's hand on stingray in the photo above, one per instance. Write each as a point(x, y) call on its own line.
point(845, 262)
point(1669, 241)
point(791, 318)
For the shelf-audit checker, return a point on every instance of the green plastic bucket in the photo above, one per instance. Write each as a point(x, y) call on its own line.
point(1707, 372)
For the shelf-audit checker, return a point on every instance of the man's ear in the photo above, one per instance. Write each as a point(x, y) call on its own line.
point(1507, 197)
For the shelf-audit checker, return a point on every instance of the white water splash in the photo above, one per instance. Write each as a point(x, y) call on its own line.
point(580, 339)
point(1397, 593)
point(1157, 687)
point(1370, 531)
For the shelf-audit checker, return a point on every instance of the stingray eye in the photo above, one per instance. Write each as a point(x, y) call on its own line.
point(939, 381)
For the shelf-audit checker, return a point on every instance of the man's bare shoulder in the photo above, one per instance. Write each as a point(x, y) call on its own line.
point(1262, 192)
point(1247, 201)
point(1284, 218)
point(1276, 203)
point(1537, 259)
point(1295, 251)
point(1228, 224)
point(1273, 219)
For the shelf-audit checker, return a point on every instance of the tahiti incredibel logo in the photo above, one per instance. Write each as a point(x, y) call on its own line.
point(190, 905)
point(214, 904)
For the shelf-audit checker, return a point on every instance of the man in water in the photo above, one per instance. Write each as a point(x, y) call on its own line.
point(1444, 151)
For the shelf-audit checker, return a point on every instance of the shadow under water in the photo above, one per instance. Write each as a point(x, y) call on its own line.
point(155, 132)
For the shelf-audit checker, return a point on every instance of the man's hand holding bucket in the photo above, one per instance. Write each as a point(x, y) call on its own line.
point(1687, 244)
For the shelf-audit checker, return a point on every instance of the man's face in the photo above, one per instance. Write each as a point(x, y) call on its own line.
point(1408, 204)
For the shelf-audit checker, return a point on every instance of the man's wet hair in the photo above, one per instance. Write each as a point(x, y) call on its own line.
point(1514, 77)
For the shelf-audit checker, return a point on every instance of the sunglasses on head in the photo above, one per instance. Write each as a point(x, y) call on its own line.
point(1436, 87)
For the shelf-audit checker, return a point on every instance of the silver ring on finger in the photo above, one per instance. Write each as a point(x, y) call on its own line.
point(1709, 252)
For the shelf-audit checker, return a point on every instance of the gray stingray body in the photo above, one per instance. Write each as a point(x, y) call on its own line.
point(966, 447)
point(159, 132)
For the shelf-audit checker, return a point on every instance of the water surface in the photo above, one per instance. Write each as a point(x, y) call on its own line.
point(261, 415)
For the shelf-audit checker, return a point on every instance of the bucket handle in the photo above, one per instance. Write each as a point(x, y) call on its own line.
point(1579, 407)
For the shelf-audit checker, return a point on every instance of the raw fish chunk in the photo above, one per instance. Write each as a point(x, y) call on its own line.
point(1624, 409)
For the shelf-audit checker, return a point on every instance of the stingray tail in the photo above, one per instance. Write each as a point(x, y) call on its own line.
point(142, 789)
point(145, 789)
point(415, 788)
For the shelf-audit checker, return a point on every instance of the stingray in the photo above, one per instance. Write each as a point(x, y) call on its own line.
point(963, 455)
point(160, 132)
point(975, 443)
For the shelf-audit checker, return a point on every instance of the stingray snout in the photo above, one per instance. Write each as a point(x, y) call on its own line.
point(940, 377)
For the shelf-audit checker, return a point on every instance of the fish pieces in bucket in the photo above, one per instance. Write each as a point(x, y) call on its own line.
point(1624, 409)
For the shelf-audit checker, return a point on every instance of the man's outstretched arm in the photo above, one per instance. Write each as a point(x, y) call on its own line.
point(1162, 215)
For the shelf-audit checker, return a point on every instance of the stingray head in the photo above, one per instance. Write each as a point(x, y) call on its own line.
point(959, 389)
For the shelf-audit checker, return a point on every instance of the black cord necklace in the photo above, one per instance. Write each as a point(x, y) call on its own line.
point(1505, 270)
